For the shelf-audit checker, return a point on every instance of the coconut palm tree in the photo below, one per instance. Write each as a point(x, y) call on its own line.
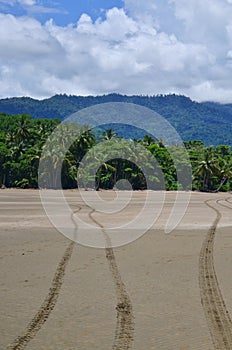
point(225, 173)
point(206, 168)
point(108, 134)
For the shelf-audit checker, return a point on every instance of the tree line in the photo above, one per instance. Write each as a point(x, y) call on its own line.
point(101, 159)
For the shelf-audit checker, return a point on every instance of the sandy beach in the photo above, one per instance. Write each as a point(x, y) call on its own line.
point(160, 291)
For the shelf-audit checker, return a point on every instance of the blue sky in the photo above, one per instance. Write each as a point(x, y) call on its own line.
point(90, 47)
point(63, 12)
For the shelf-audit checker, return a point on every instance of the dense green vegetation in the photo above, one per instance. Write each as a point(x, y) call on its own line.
point(21, 147)
point(208, 122)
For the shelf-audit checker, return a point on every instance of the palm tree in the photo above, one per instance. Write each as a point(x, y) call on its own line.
point(108, 134)
point(83, 143)
point(22, 131)
point(148, 141)
point(225, 173)
point(206, 168)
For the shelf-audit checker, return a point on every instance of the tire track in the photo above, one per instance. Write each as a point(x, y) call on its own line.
point(123, 338)
point(228, 201)
point(223, 204)
point(217, 316)
point(124, 327)
point(48, 304)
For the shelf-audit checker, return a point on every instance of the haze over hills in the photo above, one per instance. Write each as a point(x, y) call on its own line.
point(207, 121)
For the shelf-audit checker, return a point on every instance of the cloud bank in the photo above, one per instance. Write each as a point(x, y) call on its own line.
point(162, 46)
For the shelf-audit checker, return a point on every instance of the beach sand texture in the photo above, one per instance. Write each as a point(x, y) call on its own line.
point(160, 292)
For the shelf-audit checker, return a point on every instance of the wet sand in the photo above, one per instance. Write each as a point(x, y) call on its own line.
point(150, 294)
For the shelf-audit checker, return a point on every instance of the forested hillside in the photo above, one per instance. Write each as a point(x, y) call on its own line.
point(208, 122)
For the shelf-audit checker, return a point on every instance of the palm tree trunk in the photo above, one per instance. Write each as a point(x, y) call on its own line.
point(221, 184)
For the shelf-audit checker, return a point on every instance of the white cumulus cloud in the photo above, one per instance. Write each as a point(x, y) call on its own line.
point(27, 2)
point(21, 2)
point(146, 48)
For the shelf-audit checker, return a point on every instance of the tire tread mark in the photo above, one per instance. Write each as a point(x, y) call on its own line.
point(48, 304)
point(125, 320)
point(216, 314)
point(225, 205)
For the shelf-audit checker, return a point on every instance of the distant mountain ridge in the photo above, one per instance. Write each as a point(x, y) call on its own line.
point(209, 122)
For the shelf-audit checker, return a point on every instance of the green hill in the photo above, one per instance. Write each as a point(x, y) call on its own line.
point(208, 121)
